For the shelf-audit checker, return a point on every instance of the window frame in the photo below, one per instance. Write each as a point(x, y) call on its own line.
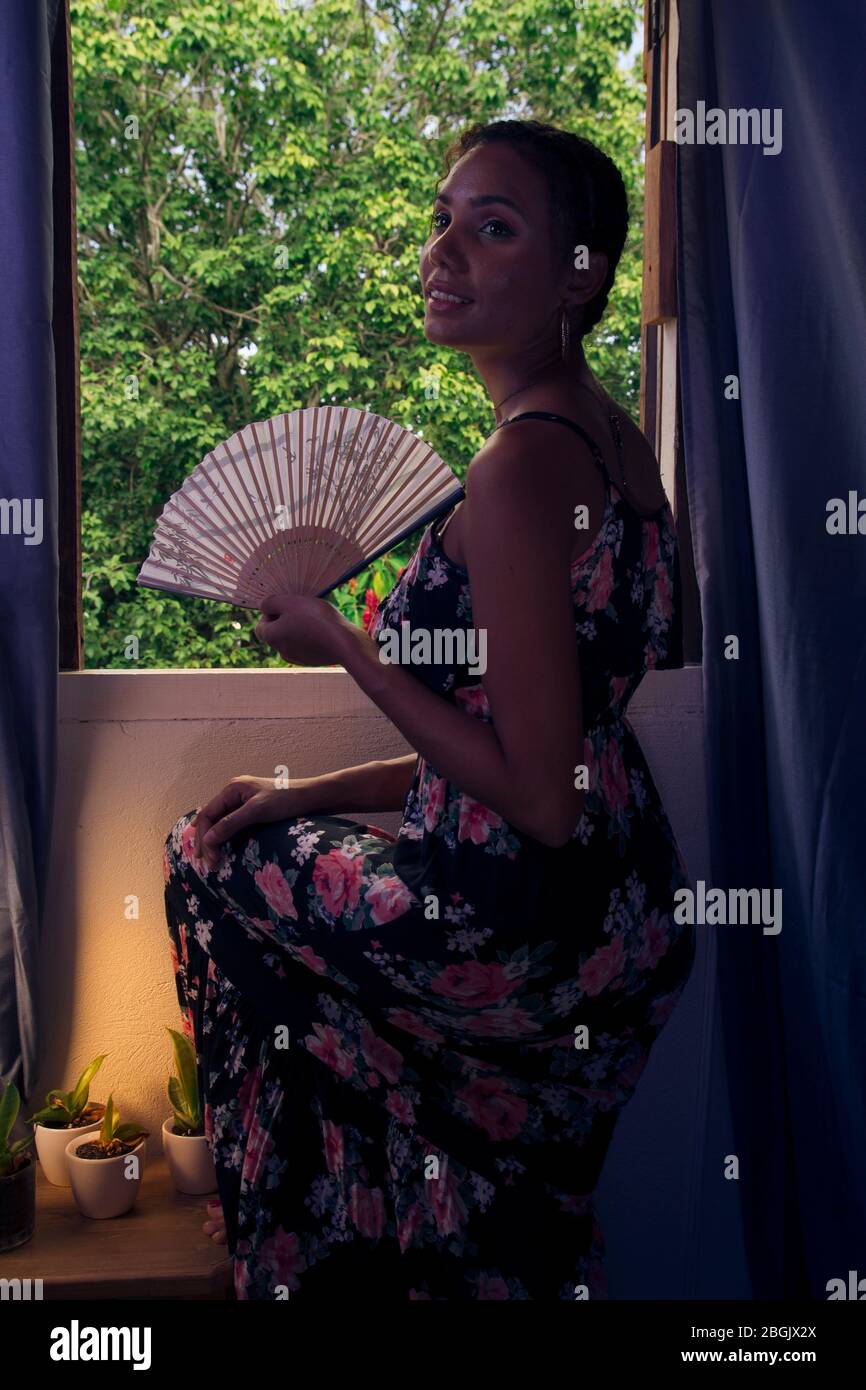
point(660, 396)
point(660, 406)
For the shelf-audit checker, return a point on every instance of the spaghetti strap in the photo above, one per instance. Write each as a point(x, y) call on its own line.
point(562, 420)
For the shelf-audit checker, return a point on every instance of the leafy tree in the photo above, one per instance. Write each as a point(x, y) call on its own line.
point(254, 184)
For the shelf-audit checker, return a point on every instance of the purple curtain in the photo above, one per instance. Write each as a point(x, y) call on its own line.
point(28, 520)
point(771, 273)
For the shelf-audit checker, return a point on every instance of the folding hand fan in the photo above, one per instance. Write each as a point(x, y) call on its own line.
point(296, 504)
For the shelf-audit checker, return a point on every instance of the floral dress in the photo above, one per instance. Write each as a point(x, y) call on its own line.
point(414, 1051)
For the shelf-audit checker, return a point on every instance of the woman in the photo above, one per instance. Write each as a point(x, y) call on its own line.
point(414, 1052)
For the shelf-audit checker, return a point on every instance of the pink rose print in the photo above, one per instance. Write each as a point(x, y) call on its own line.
point(493, 1107)
point(381, 1055)
point(309, 957)
point(166, 867)
point(664, 1008)
point(630, 1074)
point(249, 1094)
point(433, 801)
point(510, 1021)
point(259, 1146)
point(603, 966)
point(188, 849)
point(473, 698)
point(663, 599)
point(327, 1047)
point(655, 942)
point(337, 878)
point(492, 1286)
point(603, 1099)
point(406, 1228)
point(474, 984)
point(271, 882)
point(476, 821)
point(650, 544)
point(614, 782)
point(333, 1146)
point(265, 925)
point(282, 1255)
point(410, 1023)
point(601, 584)
point(387, 897)
point(367, 1209)
point(449, 1210)
point(400, 1107)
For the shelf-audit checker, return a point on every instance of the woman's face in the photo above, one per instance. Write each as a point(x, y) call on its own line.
point(490, 244)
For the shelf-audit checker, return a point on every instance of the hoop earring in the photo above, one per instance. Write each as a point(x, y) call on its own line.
point(565, 333)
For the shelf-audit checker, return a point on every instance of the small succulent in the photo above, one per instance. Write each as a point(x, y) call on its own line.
point(12, 1156)
point(68, 1107)
point(113, 1135)
point(183, 1089)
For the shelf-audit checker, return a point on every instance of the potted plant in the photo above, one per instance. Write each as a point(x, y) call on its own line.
point(105, 1170)
point(66, 1115)
point(17, 1176)
point(186, 1147)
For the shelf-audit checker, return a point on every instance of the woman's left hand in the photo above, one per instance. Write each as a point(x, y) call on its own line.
point(305, 631)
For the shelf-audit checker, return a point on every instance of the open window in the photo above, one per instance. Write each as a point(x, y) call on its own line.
point(659, 397)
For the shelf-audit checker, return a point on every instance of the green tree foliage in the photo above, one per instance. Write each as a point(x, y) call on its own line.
point(254, 183)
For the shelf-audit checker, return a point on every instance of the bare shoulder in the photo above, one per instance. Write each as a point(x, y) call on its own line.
point(529, 479)
point(535, 465)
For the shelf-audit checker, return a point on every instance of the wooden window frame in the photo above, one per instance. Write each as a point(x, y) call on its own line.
point(660, 410)
point(660, 400)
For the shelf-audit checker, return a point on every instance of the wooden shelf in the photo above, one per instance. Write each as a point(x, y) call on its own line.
point(157, 1250)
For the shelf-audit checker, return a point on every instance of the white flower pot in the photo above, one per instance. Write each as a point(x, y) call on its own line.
point(51, 1146)
point(189, 1159)
point(100, 1185)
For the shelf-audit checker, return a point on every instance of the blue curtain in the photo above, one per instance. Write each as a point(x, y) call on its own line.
point(771, 276)
point(28, 542)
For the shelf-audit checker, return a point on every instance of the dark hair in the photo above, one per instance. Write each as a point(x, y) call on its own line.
point(587, 197)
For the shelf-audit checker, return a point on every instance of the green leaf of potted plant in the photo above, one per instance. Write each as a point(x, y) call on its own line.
point(65, 1116)
point(17, 1175)
point(105, 1170)
point(186, 1147)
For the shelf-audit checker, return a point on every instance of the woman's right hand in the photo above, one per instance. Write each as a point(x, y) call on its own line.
point(244, 801)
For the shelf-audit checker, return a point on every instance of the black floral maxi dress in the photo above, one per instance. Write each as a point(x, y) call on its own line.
point(414, 1051)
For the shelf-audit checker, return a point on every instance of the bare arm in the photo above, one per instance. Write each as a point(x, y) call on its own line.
point(518, 540)
point(376, 786)
point(248, 800)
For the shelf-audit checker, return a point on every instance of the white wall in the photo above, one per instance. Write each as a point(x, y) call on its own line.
point(139, 748)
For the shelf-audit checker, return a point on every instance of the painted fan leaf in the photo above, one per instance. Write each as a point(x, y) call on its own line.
point(296, 504)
